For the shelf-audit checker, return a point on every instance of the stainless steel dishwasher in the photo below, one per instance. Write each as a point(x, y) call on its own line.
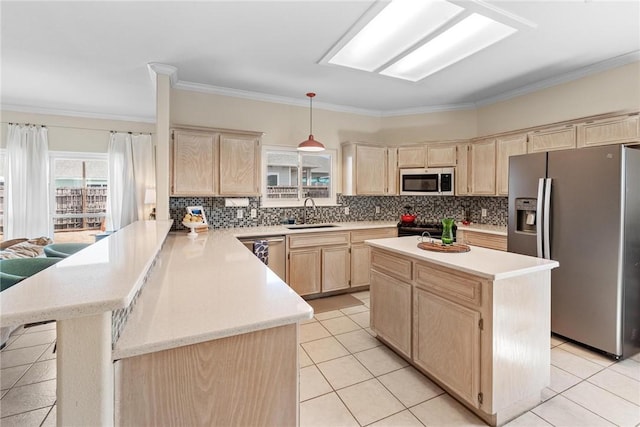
point(277, 253)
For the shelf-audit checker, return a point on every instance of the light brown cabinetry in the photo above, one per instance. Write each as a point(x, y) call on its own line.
point(557, 138)
point(391, 311)
point(360, 253)
point(486, 240)
point(613, 130)
point(412, 156)
point(336, 268)
point(194, 162)
point(368, 170)
point(239, 165)
point(462, 169)
point(482, 159)
point(304, 271)
point(441, 155)
point(507, 146)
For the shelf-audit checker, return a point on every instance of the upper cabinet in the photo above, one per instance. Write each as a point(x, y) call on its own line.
point(614, 130)
point(507, 146)
point(239, 165)
point(462, 169)
point(482, 161)
point(194, 163)
point(412, 156)
point(368, 170)
point(557, 138)
point(441, 155)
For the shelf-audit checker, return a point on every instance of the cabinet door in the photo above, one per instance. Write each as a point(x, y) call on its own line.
point(304, 271)
point(412, 157)
point(193, 162)
point(336, 268)
point(462, 169)
point(391, 311)
point(392, 171)
point(239, 165)
point(483, 167)
point(506, 147)
point(560, 138)
point(446, 343)
point(440, 155)
point(371, 167)
point(616, 130)
point(360, 264)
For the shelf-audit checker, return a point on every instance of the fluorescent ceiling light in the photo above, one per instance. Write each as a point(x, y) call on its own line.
point(469, 36)
point(396, 28)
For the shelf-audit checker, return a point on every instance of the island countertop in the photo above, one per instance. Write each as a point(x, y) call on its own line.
point(479, 261)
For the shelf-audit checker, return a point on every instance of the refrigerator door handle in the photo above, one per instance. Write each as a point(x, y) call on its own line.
point(547, 219)
point(541, 217)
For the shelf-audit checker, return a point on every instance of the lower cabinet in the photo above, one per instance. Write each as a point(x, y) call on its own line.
point(336, 268)
point(391, 311)
point(304, 271)
point(486, 240)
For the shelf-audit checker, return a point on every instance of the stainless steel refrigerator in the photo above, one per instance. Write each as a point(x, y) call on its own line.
point(582, 208)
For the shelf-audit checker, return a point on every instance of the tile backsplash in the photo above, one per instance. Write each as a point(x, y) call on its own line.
point(361, 208)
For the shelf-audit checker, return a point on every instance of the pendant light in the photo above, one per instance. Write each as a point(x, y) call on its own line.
point(311, 144)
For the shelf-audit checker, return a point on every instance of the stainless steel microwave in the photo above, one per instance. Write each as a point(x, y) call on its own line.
point(427, 182)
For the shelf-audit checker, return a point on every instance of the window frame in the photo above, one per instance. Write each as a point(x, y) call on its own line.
point(299, 202)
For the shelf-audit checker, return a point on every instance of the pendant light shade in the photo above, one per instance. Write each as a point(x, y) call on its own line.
point(311, 144)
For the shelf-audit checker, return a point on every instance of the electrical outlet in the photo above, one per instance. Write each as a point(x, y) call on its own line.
point(254, 213)
point(483, 213)
point(239, 213)
point(346, 210)
point(377, 209)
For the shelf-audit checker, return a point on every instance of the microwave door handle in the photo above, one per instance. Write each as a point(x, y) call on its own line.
point(547, 219)
point(540, 218)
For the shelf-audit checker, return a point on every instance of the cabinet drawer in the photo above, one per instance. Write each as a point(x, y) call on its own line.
point(392, 265)
point(456, 287)
point(486, 240)
point(318, 239)
point(358, 236)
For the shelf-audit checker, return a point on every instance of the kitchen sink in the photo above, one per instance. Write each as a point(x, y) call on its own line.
point(304, 226)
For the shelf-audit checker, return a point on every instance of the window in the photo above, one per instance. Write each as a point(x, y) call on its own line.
point(2, 166)
point(79, 191)
point(291, 176)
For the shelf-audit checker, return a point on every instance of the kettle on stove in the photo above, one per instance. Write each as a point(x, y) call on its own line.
point(408, 217)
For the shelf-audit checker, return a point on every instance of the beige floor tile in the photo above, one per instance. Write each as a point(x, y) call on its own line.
point(401, 419)
point(303, 358)
point(344, 371)
point(32, 339)
point(39, 371)
point(609, 406)
point(528, 419)
point(357, 341)
point(51, 326)
point(324, 411)
point(560, 411)
point(340, 325)
point(636, 357)
point(547, 394)
point(355, 309)
point(329, 315)
point(312, 320)
point(26, 419)
point(369, 401)
point(380, 360)
point(21, 356)
point(587, 354)
point(573, 364)
point(366, 302)
point(361, 295)
point(28, 398)
point(370, 332)
point(361, 319)
point(324, 349)
point(50, 421)
point(556, 341)
point(445, 411)
point(410, 386)
point(562, 380)
point(312, 383)
point(48, 353)
point(313, 331)
point(10, 376)
point(618, 384)
point(629, 368)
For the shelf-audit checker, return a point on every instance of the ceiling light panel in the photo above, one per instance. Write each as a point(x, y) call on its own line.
point(472, 34)
point(400, 25)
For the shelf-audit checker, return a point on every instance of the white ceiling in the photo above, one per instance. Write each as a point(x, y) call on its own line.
point(90, 58)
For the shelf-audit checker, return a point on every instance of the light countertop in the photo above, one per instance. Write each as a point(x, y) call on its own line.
point(479, 261)
point(500, 230)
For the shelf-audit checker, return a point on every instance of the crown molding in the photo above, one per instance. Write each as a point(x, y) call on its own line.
point(429, 109)
point(70, 113)
point(156, 68)
point(598, 67)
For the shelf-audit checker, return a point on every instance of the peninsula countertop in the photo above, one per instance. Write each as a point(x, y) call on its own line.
point(479, 261)
point(500, 230)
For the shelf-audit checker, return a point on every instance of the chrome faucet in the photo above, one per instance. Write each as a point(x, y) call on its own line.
point(304, 210)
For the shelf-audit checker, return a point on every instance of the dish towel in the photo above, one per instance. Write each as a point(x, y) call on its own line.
point(261, 250)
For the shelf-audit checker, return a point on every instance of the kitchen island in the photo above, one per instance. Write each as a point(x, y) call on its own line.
point(477, 323)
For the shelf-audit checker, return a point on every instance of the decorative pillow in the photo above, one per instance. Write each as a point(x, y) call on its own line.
point(28, 249)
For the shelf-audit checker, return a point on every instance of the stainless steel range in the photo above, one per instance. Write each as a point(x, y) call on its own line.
point(417, 228)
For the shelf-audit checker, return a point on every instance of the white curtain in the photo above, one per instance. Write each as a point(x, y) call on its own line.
point(131, 171)
point(26, 183)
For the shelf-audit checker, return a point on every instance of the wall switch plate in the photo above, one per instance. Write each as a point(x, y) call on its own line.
point(254, 213)
point(346, 210)
point(377, 209)
point(239, 213)
point(483, 213)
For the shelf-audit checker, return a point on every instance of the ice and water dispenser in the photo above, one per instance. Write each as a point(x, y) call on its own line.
point(526, 215)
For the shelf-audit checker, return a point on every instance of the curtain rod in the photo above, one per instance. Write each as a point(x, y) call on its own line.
point(28, 124)
point(131, 133)
point(77, 127)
